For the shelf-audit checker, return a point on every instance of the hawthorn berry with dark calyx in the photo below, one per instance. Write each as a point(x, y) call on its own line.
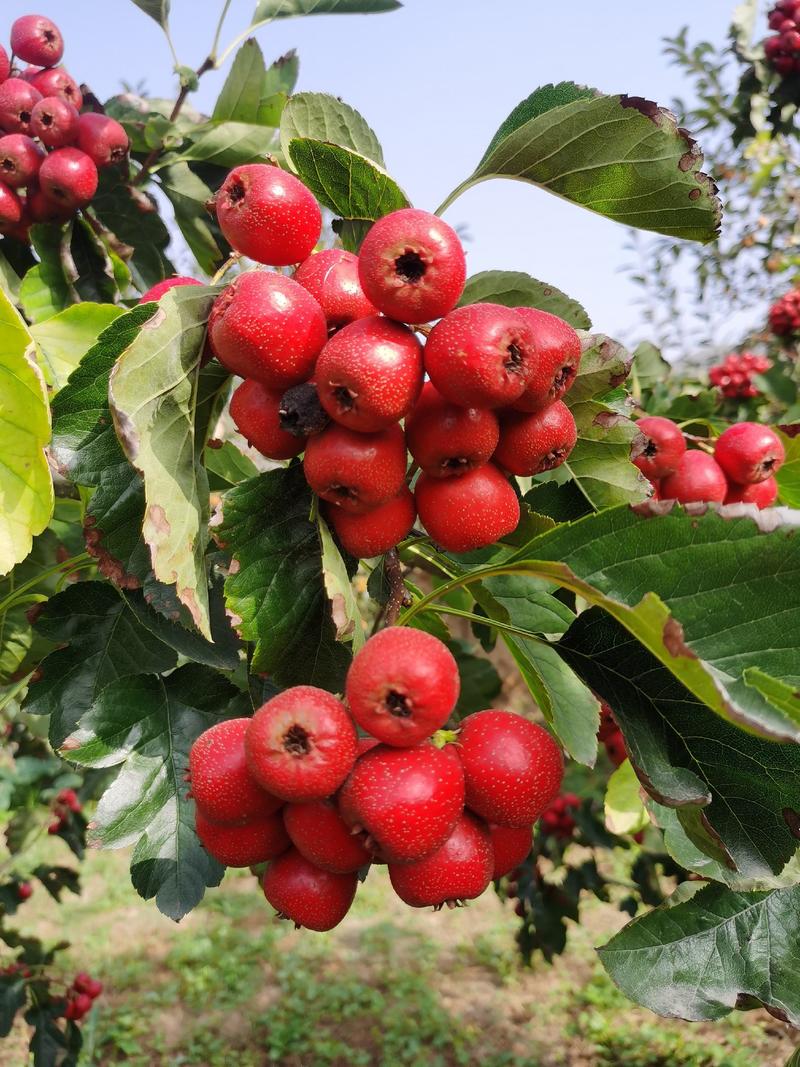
point(662, 448)
point(54, 122)
point(68, 177)
point(319, 833)
point(699, 478)
point(510, 845)
point(531, 443)
point(301, 413)
point(462, 514)
point(749, 452)
point(482, 356)
point(331, 276)
point(373, 532)
point(356, 471)
point(402, 685)
point(762, 494)
point(102, 138)
point(37, 39)
point(245, 845)
point(301, 744)
point(20, 159)
point(17, 101)
point(460, 869)
point(447, 440)
point(412, 266)
point(221, 785)
point(407, 799)
point(267, 327)
point(306, 894)
point(512, 767)
point(558, 358)
point(369, 374)
point(158, 290)
point(10, 209)
point(58, 82)
point(268, 215)
point(256, 413)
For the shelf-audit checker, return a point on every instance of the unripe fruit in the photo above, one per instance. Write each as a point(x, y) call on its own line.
point(402, 685)
point(222, 787)
point(158, 290)
point(412, 267)
point(446, 439)
point(512, 767)
point(698, 478)
point(460, 869)
point(469, 512)
point(42, 209)
point(369, 374)
point(481, 356)
point(256, 412)
point(267, 327)
point(301, 744)
point(54, 122)
point(510, 844)
point(243, 846)
point(376, 531)
point(102, 138)
point(331, 276)
point(17, 101)
point(319, 833)
point(5, 64)
point(69, 177)
point(37, 39)
point(762, 494)
point(558, 357)
point(268, 215)
point(537, 442)
point(662, 448)
point(309, 896)
point(356, 471)
point(10, 209)
point(20, 159)
point(57, 82)
point(749, 452)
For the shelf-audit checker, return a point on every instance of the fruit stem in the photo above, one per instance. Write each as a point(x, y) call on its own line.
point(397, 590)
point(226, 266)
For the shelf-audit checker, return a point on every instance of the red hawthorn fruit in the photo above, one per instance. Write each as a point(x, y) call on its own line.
point(331, 276)
point(42, 209)
point(17, 101)
point(57, 82)
point(301, 744)
point(662, 448)
point(309, 896)
point(37, 39)
point(369, 374)
point(78, 1006)
point(748, 452)
point(84, 983)
point(376, 531)
point(698, 478)
point(253, 842)
point(158, 290)
point(537, 442)
point(24, 890)
point(558, 357)
point(608, 724)
point(460, 869)
point(784, 315)
point(54, 122)
point(402, 685)
point(68, 177)
point(69, 798)
point(448, 440)
point(733, 377)
point(256, 412)
point(5, 64)
point(462, 514)
point(221, 784)
point(407, 799)
point(356, 471)
point(20, 159)
point(482, 356)
point(512, 767)
point(762, 494)
point(412, 266)
point(510, 845)
point(615, 748)
point(319, 833)
point(366, 744)
point(267, 327)
point(10, 208)
point(268, 215)
point(102, 138)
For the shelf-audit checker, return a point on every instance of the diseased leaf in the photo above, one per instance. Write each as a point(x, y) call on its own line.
point(600, 461)
point(515, 289)
point(605, 364)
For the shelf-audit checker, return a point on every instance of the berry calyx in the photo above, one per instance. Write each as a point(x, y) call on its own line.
point(749, 452)
point(17, 101)
point(374, 532)
point(250, 843)
point(661, 449)
point(102, 138)
point(558, 357)
point(698, 478)
point(356, 471)
point(68, 177)
point(331, 276)
point(510, 845)
point(309, 896)
point(20, 159)
point(54, 122)
point(537, 442)
point(762, 494)
point(256, 413)
point(301, 413)
point(462, 514)
point(459, 870)
point(319, 833)
point(158, 290)
point(221, 785)
point(37, 39)
point(448, 440)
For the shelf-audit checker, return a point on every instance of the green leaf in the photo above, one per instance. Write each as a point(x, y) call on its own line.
point(649, 366)
point(278, 595)
point(562, 503)
point(152, 398)
point(241, 94)
point(45, 290)
point(26, 487)
point(339, 587)
point(624, 809)
point(225, 144)
point(480, 682)
point(345, 181)
point(788, 477)
point(283, 9)
point(701, 958)
point(605, 364)
point(600, 463)
point(351, 232)
point(156, 9)
point(620, 156)
point(515, 289)
point(320, 117)
point(133, 216)
point(227, 466)
point(281, 76)
point(527, 603)
point(188, 195)
point(64, 339)
point(680, 846)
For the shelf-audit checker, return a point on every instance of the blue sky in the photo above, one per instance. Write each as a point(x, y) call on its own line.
point(435, 79)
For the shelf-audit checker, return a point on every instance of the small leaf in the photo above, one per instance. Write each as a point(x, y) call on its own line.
point(345, 181)
point(600, 463)
point(45, 290)
point(480, 682)
point(227, 466)
point(241, 94)
point(188, 195)
point(516, 289)
point(64, 339)
point(624, 809)
point(156, 9)
point(649, 366)
point(319, 117)
point(282, 9)
point(338, 585)
point(281, 76)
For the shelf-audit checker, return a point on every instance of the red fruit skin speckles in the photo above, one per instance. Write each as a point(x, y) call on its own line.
point(356, 471)
point(331, 276)
point(448, 440)
point(102, 138)
point(54, 122)
point(510, 844)
point(402, 685)
point(222, 787)
point(20, 159)
point(369, 374)
point(749, 452)
point(320, 834)
point(37, 39)
point(377, 530)
point(5, 64)
point(698, 478)
point(407, 799)
point(512, 767)
point(309, 896)
point(256, 412)
point(267, 327)
point(469, 512)
point(460, 869)
point(17, 101)
point(68, 177)
point(58, 82)
point(762, 494)
point(558, 357)
point(254, 842)
point(537, 442)
point(662, 448)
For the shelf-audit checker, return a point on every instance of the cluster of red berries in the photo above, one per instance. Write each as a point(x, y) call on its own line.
point(741, 471)
point(296, 786)
point(783, 49)
point(733, 376)
point(48, 147)
point(610, 736)
point(65, 805)
point(81, 995)
point(557, 819)
point(784, 315)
